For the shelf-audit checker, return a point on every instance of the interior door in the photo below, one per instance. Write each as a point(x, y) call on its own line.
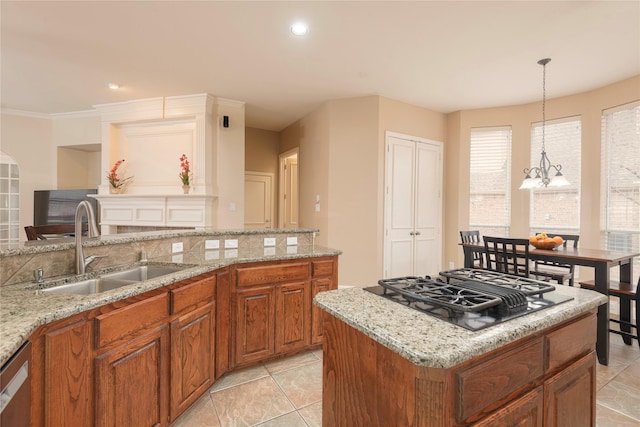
point(413, 206)
point(258, 200)
point(288, 199)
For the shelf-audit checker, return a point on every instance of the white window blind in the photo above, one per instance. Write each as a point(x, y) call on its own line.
point(490, 181)
point(620, 211)
point(557, 209)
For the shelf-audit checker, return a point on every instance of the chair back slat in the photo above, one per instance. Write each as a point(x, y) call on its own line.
point(473, 237)
point(507, 255)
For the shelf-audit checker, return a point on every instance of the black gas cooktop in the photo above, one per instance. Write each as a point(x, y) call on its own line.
point(469, 298)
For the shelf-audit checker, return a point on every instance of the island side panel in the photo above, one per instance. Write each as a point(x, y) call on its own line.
point(365, 383)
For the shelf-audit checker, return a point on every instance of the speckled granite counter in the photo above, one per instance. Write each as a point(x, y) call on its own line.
point(23, 307)
point(427, 341)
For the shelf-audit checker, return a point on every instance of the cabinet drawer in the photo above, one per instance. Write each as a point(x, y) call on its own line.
point(127, 320)
point(192, 294)
point(570, 342)
point(247, 276)
point(486, 383)
point(322, 268)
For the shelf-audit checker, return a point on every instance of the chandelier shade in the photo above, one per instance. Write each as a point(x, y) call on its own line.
point(545, 174)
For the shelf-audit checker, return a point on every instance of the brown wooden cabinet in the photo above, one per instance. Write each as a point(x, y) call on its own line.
point(132, 382)
point(293, 317)
point(255, 324)
point(145, 359)
point(546, 379)
point(62, 374)
point(192, 343)
point(274, 314)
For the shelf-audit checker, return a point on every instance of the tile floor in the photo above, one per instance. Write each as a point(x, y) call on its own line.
point(288, 393)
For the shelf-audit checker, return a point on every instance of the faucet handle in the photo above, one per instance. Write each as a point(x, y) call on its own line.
point(143, 254)
point(38, 274)
point(88, 260)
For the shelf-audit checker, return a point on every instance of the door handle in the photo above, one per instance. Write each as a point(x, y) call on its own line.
point(417, 233)
point(411, 233)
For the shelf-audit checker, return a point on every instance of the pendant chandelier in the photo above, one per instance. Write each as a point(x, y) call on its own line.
point(546, 174)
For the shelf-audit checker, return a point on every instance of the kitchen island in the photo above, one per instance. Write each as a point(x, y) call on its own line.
point(387, 364)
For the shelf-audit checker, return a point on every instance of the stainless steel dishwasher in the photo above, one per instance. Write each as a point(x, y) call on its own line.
point(15, 383)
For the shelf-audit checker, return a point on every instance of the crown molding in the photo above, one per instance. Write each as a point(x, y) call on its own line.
point(24, 113)
point(52, 116)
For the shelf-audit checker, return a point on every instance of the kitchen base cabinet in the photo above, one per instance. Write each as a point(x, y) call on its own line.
point(570, 396)
point(273, 313)
point(62, 374)
point(192, 357)
point(132, 382)
point(293, 317)
point(255, 324)
point(522, 383)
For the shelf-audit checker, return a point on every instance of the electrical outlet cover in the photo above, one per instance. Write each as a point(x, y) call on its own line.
point(292, 241)
point(269, 241)
point(212, 244)
point(177, 247)
point(231, 243)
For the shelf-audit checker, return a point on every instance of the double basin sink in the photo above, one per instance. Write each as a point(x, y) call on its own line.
point(115, 280)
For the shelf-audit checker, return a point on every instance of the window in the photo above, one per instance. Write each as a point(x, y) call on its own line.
point(557, 209)
point(620, 211)
point(490, 181)
point(9, 200)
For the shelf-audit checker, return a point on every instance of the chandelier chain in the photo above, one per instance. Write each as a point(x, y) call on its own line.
point(544, 99)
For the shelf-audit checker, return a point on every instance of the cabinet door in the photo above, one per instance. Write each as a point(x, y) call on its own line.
point(68, 387)
point(132, 382)
point(192, 357)
point(317, 330)
point(570, 396)
point(255, 324)
point(523, 412)
point(292, 317)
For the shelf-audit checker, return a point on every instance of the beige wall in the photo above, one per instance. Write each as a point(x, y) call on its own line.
point(261, 151)
point(588, 106)
point(28, 141)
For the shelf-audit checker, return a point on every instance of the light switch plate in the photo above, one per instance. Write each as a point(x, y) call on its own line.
point(231, 253)
point(212, 244)
point(231, 243)
point(177, 247)
point(179, 258)
point(269, 241)
point(269, 251)
point(292, 241)
point(210, 255)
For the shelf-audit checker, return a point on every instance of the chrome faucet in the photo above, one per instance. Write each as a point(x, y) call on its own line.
point(81, 262)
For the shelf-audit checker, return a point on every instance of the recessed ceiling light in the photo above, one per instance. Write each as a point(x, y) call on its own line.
point(299, 29)
point(113, 86)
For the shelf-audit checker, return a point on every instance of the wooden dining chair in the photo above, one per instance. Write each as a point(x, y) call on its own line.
point(550, 270)
point(44, 232)
point(507, 255)
point(626, 293)
point(473, 237)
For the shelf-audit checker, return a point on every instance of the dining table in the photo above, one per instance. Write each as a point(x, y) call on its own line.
point(601, 260)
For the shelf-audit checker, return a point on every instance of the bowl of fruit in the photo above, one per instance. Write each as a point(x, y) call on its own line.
point(542, 241)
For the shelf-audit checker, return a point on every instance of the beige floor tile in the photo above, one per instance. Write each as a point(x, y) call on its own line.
point(606, 417)
point(318, 353)
point(302, 385)
point(621, 398)
point(239, 377)
point(250, 403)
point(292, 419)
point(604, 374)
point(290, 362)
point(201, 414)
point(312, 414)
point(623, 353)
point(630, 377)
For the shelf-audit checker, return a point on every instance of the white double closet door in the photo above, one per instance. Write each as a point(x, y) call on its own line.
point(413, 206)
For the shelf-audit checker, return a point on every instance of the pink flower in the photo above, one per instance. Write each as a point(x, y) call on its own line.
point(185, 169)
point(113, 178)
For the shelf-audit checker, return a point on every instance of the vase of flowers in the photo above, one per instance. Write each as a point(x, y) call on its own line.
point(116, 184)
point(185, 173)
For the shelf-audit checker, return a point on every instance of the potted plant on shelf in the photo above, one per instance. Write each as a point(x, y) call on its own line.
point(185, 172)
point(117, 184)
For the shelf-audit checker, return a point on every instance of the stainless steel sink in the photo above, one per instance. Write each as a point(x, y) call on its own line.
point(115, 280)
point(144, 272)
point(91, 286)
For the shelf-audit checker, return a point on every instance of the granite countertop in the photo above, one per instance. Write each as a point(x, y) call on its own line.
point(427, 341)
point(24, 306)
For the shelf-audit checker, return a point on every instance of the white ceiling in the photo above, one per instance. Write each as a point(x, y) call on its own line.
point(57, 57)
